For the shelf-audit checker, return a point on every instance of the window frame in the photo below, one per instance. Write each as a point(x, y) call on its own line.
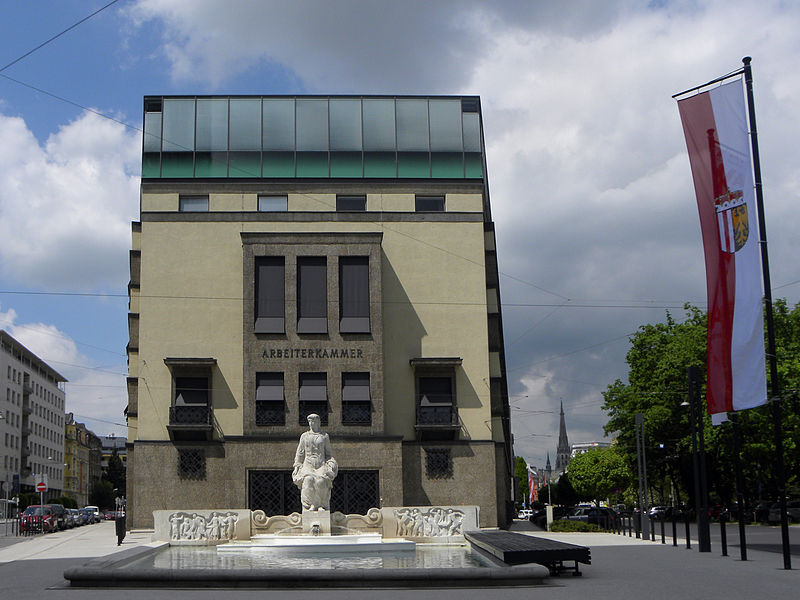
point(281, 203)
point(354, 316)
point(310, 400)
point(356, 397)
point(311, 319)
point(430, 203)
point(276, 406)
point(266, 319)
point(193, 203)
point(351, 203)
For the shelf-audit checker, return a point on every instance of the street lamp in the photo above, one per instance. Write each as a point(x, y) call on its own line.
point(698, 460)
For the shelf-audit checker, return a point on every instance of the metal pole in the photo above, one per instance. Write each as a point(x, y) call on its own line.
point(737, 461)
point(698, 451)
point(638, 421)
point(723, 535)
point(771, 354)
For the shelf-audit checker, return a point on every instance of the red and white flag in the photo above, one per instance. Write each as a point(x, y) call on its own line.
point(715, 126)
point(531, 488)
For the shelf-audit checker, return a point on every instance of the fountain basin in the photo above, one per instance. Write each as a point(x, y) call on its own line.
point(361, 542)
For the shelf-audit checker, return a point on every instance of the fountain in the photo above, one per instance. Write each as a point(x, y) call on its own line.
point(311, 548)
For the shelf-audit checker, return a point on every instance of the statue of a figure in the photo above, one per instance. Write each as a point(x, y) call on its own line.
point(314, 467)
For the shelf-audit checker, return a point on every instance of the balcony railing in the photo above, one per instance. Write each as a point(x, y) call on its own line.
point(191, 422)
point(437, 416)
point(190, 415)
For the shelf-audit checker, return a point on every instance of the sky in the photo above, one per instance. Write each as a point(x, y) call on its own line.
point(591, 192)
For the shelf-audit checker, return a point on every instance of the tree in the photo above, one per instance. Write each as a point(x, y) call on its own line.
point(597, 474)
point(657, 385)
point(102, 494)
point(115, 472)
point(521, 473)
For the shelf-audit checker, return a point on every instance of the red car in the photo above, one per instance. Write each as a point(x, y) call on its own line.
point(37, 519)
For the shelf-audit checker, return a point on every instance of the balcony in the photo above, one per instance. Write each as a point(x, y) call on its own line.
point(27, 407)
point(191, 422)
point(27, 388)
point(438, 422)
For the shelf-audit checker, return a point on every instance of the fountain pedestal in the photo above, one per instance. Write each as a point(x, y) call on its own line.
point(316, 522)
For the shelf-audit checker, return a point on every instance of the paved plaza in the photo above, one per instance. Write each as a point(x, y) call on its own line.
point(622, 567)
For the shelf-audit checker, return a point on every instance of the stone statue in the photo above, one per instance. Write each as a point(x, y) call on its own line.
point(314, 467)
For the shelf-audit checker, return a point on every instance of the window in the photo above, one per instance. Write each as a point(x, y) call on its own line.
point(191, 390)
point(191, 464)
point(313, 397)
point(312, 295)
point(356, 405)
point(435, 401)
point(193, 203)
point(270, 294)
point(273, 203)
point(351, 203)
point(270, 403)
point(429, 204)
point(354, 294)
point(438, 463)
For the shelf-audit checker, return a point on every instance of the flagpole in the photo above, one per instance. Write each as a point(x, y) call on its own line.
point(771, 353)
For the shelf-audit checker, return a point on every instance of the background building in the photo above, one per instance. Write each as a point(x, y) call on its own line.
point(32, 423)
point(582, 447)
point(83, 455)
point(315, 254)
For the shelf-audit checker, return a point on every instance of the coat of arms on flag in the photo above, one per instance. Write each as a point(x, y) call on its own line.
point(732, 220)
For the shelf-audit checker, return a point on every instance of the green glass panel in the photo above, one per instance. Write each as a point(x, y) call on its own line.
point(312, 164)
point(211, 164)
point(445, 123)
point(278, 124)
point(379, 129)
point(177, 164)
point(150, 164)
point(380, 164)
point(346, 164)
point(152, 132)
point(345, 124)
point(473, 165)
point(412, 125)
point(245, 124)
point(312, 126)
point(211, 127)
point(278, 164)
point(472, 132)
point(413, 164)
point(178, 125)
point(244, 164)
point(447, 165)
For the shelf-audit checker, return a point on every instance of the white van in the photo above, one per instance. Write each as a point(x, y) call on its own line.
point(96, 512)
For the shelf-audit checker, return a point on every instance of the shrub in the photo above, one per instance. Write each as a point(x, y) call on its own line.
point(563, 525)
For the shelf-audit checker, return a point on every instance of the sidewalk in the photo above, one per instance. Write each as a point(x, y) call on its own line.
point(622, 567)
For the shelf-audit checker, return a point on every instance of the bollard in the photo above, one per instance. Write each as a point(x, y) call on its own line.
point(688, 533)
point(674, 531)
point(663, 539)
point(637, 523)
point(652, 529)
point(723, 535)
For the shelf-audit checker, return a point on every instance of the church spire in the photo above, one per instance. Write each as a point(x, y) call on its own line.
point(563, 451)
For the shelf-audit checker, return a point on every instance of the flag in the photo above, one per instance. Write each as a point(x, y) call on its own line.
point(716, 131)
point(531, 488)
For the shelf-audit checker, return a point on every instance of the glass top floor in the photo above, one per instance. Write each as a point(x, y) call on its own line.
point(384, 137)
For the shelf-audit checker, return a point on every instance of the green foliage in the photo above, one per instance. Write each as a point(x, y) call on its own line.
point(66, 501)
point(563, 525)
point(657, 385)
point(599, 473)
point(115, 473)
point(102, 494)
point(521, 473)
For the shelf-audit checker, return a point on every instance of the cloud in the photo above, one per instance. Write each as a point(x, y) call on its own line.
point(66, 206)
point(96, 394)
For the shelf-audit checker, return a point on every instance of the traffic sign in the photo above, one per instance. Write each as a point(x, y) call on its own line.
point(41, 486)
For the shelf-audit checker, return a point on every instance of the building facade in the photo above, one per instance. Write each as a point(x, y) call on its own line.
point(32, 420)
point(83, 455)
point(329, 255)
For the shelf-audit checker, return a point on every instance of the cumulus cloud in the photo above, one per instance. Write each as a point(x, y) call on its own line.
point(66, 205)
point(96, 394)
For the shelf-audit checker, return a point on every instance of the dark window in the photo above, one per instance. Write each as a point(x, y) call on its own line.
point(191, 464)
point(270, 403)
point(429, 204)
point(191, 390)
point(438, 463)
point(313, 397)
point(435, 401)
point(351, 203)
point(356, 404)
point(354, 294)
point(312, 295)
point(193, 203)
point(270, 294)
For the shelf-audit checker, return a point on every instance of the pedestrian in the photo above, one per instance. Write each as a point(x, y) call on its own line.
point(119, 518)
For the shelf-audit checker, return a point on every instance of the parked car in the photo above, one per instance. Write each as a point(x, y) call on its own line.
point(87, 514)
point(596, 515)
point(81, 517)
point(60, 514)
point(97, 517)
point(659, 512)
point(69, 519)
point(37, 518)
point(525, 513)
point(792, 512)
point(109, 515)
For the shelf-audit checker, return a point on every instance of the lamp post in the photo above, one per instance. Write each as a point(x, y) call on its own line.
point(698, 460)
point(641, 463)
